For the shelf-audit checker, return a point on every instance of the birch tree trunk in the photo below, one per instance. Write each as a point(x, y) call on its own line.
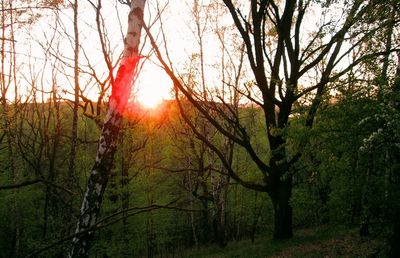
point(121, 89)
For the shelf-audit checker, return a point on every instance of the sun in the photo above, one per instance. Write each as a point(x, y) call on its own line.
point(149, 96)
point(153, 88)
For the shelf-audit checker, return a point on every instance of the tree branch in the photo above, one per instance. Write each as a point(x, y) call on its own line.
point(32, 182)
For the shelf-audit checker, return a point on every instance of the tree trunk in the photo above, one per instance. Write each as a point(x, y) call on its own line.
point(205, 237)
point(220, 191)
point(125, 162)
point(192, 219)
point(365, 207)
point(9, 114)
point(219, 225)
point(280, 196)
point(74, 129)
point(255, 218)
point(394, 241)
point(121, 89)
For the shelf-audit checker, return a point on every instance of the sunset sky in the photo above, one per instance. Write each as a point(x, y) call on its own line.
point(41, 43)
point(48, 43)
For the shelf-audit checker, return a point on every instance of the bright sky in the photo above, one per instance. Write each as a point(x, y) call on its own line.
point(152, 85)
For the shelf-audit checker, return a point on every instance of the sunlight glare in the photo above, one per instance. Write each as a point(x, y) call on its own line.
point(153, 88)
point(149, 97)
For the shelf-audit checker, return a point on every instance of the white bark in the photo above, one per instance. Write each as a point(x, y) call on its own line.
point(121, 90)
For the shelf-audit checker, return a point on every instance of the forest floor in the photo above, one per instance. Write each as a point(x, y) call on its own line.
point(323, 241)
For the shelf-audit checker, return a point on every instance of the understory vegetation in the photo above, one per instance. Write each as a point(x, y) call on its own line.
point(159, 204)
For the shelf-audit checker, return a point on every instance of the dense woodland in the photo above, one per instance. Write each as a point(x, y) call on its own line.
point(283, 119)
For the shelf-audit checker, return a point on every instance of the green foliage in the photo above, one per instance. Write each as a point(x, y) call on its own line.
point(333, 178)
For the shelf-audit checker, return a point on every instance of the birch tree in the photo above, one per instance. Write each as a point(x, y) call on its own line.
point(121, 89)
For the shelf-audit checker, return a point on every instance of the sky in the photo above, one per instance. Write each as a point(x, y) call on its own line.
point(48, 43)
point(49, 39)
point(36, 55)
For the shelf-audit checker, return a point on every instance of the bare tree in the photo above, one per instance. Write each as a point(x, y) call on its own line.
point(121, 89)
point(8, 79)
point(74, 129)
point(282, 61)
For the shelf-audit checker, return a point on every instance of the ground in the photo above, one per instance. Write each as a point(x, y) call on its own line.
point(329, 241)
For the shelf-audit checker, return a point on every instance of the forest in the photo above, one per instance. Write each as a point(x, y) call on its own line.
point(198, 128)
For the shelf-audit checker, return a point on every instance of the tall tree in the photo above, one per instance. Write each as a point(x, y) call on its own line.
point(287, 66)
point(121, 89)
point(8, 66)
point(74, 130)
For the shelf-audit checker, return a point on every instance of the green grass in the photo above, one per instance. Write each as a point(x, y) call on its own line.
point(316, 242)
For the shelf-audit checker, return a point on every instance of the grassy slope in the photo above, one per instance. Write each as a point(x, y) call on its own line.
point(319, 242)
